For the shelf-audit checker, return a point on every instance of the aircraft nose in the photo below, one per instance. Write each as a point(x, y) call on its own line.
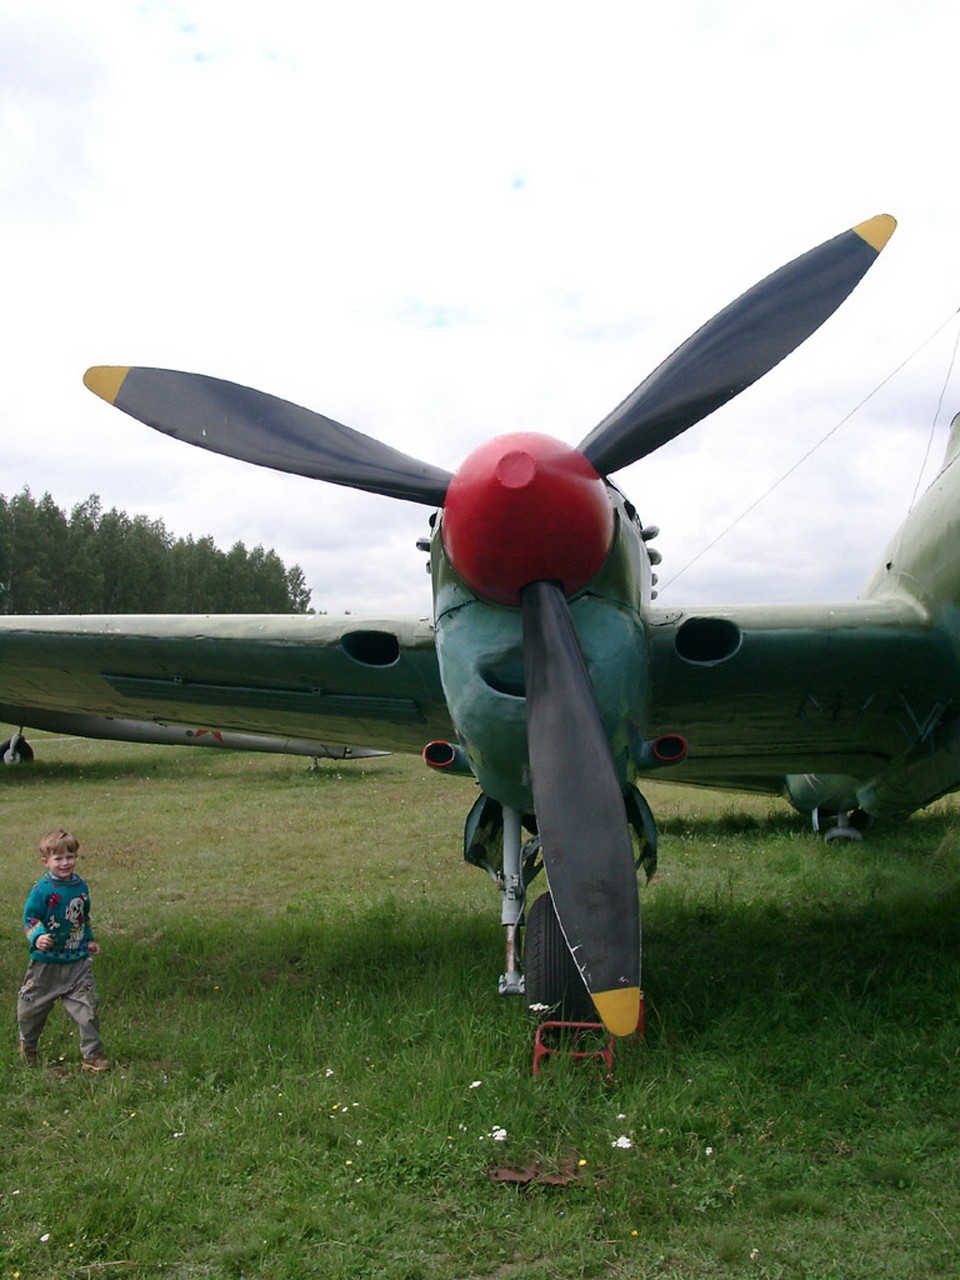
point(526, 508)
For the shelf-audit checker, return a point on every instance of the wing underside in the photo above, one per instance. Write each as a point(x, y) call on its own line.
point(761, 693)
point(363, 682)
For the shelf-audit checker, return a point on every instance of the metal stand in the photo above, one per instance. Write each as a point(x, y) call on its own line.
point(567, 1038)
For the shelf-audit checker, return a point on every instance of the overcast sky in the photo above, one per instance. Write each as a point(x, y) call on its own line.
point(439, 222)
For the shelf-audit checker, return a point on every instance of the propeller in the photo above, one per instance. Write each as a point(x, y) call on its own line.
point(239, 422)
point(582, 823)
point(736, 347)
point(527, 522)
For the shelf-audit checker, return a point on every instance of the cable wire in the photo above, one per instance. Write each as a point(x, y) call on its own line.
point(822, 441)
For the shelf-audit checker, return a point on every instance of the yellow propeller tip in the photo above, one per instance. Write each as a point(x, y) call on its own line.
point(105, 381)
point(619, 1009)
point(877, 231)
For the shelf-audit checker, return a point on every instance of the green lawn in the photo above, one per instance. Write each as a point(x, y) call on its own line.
point(316, 1077)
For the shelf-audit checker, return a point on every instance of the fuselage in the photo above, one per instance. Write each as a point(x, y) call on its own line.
point(481, 653)
point(919, 571)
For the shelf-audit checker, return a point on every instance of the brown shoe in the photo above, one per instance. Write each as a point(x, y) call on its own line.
point(28, 1053)
point(95, 1064)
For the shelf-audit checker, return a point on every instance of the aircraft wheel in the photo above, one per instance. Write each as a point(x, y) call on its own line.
point(844, 826)
point(842, 833)
point(552, 978)
point(16, 750)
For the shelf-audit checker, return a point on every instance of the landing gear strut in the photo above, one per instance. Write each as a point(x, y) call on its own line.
point(511, 910)
point(16, 750)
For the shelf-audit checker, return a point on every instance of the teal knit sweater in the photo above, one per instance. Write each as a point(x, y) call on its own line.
point(61, 908)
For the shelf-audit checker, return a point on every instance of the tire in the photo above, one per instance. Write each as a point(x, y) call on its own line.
point(552, 978)
point(23, 754)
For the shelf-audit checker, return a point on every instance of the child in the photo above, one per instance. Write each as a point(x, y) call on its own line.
point(56, 920)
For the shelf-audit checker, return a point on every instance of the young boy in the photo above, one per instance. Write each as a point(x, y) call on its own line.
point(56, 920)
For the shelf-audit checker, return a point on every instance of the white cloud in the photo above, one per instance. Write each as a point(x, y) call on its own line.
point(437, 224)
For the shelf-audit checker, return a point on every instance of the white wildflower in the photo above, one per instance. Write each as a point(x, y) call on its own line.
point(475, 1084)
point(623, 1142)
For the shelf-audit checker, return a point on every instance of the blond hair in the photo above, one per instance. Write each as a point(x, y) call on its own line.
point(58, 841)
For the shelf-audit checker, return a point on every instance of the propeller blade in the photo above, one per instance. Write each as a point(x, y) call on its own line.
point(581, 817)
point(736, 347)
point(239, 422)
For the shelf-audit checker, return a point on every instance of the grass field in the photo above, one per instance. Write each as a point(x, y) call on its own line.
point(315, 1076)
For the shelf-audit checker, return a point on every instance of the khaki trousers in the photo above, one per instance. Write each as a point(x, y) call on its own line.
point(72, 983)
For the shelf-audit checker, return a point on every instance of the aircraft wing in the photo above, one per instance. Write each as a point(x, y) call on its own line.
point(763, 692)
point(363, 682)
point(759, 692)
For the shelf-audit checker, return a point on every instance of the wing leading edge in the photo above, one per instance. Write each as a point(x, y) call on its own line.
point(351, 681)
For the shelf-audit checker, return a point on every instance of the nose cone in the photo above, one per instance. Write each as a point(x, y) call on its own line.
point(525, 508)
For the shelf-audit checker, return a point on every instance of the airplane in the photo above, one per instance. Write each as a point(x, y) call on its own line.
point(548, 671)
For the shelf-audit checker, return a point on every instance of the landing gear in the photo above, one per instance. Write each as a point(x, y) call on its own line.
point(514, 892)
point(494, 841)
point(554, 985)
point(840, 826)
point(16, 750)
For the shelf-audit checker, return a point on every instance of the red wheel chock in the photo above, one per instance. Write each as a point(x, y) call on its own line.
point(567, 1039)
point(573, 1040)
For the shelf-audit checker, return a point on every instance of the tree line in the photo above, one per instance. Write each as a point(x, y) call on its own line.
point(96, 561)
